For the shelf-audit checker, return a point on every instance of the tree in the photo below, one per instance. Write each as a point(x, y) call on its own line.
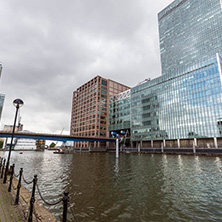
point(52, 145)
point(1, 144)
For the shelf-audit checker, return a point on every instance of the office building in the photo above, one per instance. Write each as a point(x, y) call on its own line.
point(185, 106)
point(186, 100)
point(90, 109)
point(9, 128)
point(0, 70)
point(2, 99)
point(2, 96)
point(190, 31)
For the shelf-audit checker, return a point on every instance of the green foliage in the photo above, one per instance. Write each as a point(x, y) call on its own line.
point(52, 145)
point(1, 144)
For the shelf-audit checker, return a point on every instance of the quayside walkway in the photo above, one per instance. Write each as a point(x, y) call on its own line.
point(8, 211)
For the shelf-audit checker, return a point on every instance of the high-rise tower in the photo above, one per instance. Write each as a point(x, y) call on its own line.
point(190, 31)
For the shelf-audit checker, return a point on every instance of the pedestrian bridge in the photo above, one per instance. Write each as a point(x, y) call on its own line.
point(57, 137)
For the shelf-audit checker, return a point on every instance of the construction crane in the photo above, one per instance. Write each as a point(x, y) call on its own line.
point(58, 141)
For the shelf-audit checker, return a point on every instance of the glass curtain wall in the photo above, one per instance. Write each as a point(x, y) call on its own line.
point(184, 106)
point(119, 111)
point(189, 30)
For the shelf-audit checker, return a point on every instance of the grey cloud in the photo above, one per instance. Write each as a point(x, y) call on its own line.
point(49, 48)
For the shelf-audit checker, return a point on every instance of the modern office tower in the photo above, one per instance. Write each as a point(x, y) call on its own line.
point(189, 31)
point(90, 109)
point(2, 98)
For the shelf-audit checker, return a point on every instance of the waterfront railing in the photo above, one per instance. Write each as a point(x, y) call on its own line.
point(35, 186)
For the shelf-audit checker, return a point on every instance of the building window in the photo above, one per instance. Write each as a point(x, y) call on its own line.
point(104, 82)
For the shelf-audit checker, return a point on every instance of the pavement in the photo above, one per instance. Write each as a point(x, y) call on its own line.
point(8, 211)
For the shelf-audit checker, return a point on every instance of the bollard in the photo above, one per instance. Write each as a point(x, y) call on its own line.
point(65, 206)
point(1, 164)
point(32, 200)
point(3, 168)
point(11, 177)
point(18, 186)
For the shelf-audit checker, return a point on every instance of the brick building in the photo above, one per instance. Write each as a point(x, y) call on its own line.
point(90, 109)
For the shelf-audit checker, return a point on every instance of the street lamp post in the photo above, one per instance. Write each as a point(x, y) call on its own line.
point(17, 103)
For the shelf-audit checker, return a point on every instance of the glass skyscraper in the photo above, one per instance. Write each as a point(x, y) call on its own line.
point(186, 100)
point(189, 31)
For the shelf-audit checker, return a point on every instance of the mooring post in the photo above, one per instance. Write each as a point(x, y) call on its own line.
point(3, 165)
point(162, 149)
point(65, 206)
point(215, 142)
point(178, 143)
point(18, 186)
point(11, 177)
point(117, 148)
point(32, 200)
point(194, 147)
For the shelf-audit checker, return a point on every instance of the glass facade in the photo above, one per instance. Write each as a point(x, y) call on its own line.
point(0, 69)
point(189, 30)
point(186, 101)
point(119, 112)
point(2, 98)
point(181, 106)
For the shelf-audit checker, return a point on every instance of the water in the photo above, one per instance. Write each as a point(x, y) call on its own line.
point(137, 187)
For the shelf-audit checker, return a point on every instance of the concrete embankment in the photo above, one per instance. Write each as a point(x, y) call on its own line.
point(191, 151)
point(165, 150)
point(10, 212)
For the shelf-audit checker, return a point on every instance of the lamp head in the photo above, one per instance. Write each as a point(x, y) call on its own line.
point(18, 103)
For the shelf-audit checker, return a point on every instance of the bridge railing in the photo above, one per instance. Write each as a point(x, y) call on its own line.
point(59, 137)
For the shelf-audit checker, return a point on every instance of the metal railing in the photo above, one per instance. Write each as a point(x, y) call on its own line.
point(35, 186)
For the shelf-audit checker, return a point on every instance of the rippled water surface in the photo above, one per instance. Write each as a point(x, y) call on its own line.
point(136, 187)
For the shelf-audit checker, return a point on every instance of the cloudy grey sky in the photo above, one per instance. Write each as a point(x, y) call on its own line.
point(49, 48)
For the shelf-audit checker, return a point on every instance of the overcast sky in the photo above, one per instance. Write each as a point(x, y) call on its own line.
point(50, 48)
